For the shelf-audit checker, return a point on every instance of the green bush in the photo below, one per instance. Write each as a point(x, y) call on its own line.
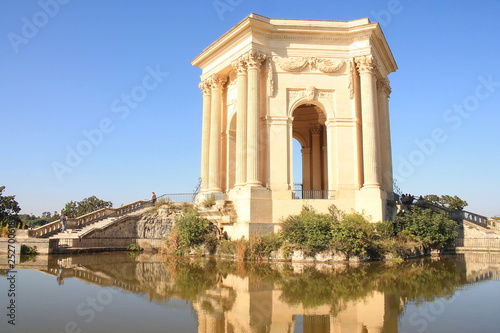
point(194, 229)
point(209, 201)
point(134, 247)
point(354, 235)
point(309, 230)
point(25, 249)
point(434, 230)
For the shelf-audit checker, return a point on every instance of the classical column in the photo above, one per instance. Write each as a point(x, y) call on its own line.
point(241, 120)
point(316, 157)
point(371, 165)
point(205, 86)
point(306, 169)
point(255, 60)
point(384, 90)
point(215, 142)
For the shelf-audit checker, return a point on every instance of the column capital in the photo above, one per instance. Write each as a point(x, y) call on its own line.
point(383, 85)
point(366, 64)
point(206, 86)
point(255, 59)
point(240, 65)
point(315, 130)
point(217, 82)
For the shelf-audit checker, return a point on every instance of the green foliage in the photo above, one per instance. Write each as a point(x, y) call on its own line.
point(446, 201)
point(386, 229)
point(87, 205)
point(209, 201)
point(28, 249)
point(434, 230)
point(354, 235)
point(310, 230)
point(134, 247)
point(194, 229)
point(9, 208)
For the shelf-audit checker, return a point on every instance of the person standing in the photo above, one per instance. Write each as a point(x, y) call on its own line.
point(153, 198)
point(63, 222)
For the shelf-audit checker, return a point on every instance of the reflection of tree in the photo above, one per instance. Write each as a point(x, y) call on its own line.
point(422, 280)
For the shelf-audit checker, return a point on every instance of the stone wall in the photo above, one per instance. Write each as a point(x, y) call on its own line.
point(148, 231)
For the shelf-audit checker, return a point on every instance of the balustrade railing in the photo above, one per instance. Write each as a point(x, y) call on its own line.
point(312, 194)
point(476, 219)
point(100, 214)
point(179, 197)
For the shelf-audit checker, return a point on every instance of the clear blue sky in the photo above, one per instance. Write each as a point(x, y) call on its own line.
point(65, 68)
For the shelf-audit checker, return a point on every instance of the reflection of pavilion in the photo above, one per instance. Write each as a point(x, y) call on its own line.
point(236, 297)
point(258, 307)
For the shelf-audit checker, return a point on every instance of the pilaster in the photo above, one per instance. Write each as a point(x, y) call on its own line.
point(255, 60)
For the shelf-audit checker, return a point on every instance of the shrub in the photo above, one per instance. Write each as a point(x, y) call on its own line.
point(310, 230)
point(353, 235)
point(209, 201)
point(25, 249)
point(134, 247)
point(193, 229)
point(434, 230)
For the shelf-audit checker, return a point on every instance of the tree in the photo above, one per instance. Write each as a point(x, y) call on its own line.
point(87, 205)
point(446, 201)
point(9, 208)
point(434, 230)
point(353, 235)
point(46, 215)
point(310, 230)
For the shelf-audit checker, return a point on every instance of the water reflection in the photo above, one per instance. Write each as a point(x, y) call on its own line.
point(232, 296)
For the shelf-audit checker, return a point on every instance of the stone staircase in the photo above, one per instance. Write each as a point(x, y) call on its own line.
point(78, 233)
point(221, 214)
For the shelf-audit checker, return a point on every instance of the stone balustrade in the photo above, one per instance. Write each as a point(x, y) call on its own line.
point(53, 227)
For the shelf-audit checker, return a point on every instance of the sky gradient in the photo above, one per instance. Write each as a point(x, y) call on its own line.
point(99, 97)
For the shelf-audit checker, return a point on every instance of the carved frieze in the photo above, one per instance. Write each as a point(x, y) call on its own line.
point(310, 94)
point(298, 64)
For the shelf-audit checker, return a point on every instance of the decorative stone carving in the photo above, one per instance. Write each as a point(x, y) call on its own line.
point(255, 59)
point(292, 64)
point(310, 94)
point(270, 77)
point(328, 66)
point(217, 82)
point(384, 86)
point(206, 86)
point(315, 129)
point(298, 64)
point(350, 79)
point(240, 65)
point(366, 64)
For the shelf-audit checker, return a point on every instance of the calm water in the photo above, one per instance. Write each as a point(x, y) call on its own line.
point(118, 292)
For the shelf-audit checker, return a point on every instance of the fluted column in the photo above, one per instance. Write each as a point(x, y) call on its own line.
point(205, 86)
point(215, 142)
point(306, 169)
point(371, 165)
point(255, 60)
point(241, 120)
point(384, 90)
point(316, 157)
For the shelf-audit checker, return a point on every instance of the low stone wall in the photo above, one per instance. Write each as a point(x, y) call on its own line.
point(42, 245)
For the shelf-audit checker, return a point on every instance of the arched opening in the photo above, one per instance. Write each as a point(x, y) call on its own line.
point(297, 165)
point(309, 129)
